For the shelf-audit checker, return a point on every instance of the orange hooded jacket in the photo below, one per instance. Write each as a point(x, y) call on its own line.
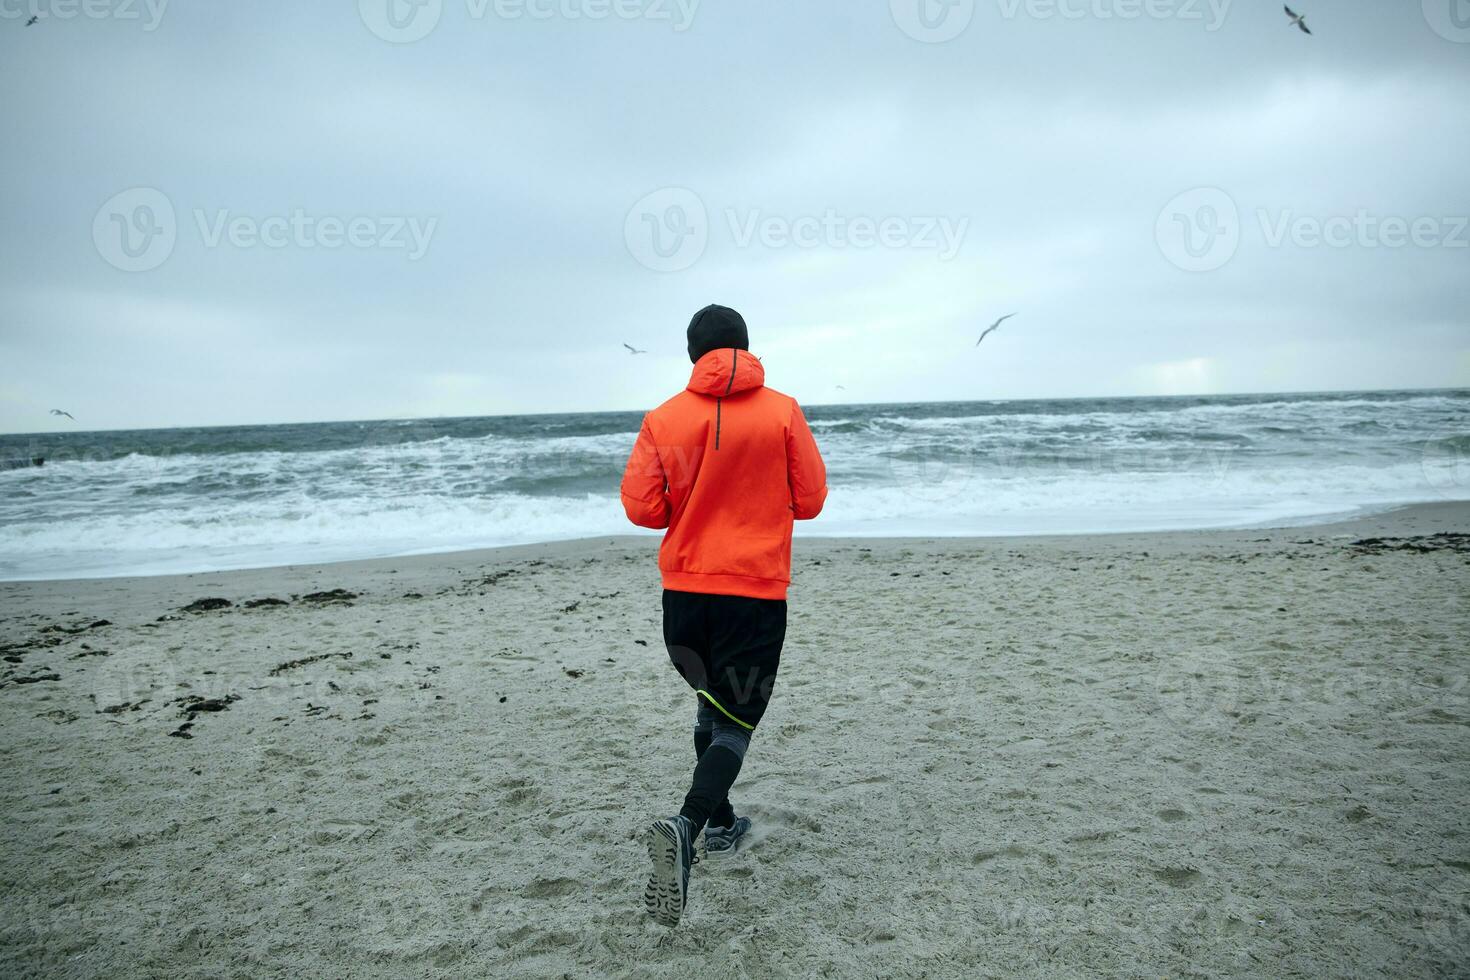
point(726, 465)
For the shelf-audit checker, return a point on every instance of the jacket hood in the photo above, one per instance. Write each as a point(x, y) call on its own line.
point(726, 371)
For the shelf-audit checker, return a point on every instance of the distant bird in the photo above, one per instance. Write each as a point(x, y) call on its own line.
point(841, 388)
point(57, 411)
point(33, 19)
point(1299, 20)
point(634, 350)
point(991, 328)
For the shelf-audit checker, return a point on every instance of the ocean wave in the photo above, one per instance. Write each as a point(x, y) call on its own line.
point(246, 534)
point(906, 499)
point(312, 493)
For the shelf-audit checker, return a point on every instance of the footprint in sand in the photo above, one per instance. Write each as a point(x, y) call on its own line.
point(1176, 877)
point(1010, 851)
point(533, 939)
point(550, 888)
point(338, 831)
point(519, 791)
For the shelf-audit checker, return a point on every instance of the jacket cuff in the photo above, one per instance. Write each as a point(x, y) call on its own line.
point(809, 506)
point(646, 513)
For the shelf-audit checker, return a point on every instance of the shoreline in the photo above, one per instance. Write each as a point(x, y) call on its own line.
point(1364, 515)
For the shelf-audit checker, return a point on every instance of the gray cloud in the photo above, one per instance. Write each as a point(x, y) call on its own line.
point(1055, 134)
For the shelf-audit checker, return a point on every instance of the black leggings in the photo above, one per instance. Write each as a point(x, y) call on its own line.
point(712, 729)
point(728, 650)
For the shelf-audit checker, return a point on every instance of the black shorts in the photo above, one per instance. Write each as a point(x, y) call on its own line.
point(727, 648)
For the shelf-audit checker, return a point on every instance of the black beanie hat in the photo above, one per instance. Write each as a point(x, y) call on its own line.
point(715, 327)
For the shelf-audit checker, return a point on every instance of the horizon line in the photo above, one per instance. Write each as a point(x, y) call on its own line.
point(627, 411)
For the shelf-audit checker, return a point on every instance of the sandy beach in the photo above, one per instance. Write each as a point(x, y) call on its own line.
point(1198, 754)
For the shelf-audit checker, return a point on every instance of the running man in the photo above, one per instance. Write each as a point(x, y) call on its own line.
point(726, 465)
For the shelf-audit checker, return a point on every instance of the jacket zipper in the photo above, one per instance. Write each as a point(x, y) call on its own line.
point(720, 401)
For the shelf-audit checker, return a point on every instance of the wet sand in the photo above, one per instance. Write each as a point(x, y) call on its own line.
point(1241, 753)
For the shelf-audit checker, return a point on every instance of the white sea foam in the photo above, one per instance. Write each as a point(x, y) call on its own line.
point(131, 504)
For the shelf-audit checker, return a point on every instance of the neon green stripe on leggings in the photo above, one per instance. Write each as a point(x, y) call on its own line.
point(711, 699)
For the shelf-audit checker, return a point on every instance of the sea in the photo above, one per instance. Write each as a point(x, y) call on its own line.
point(163, 501)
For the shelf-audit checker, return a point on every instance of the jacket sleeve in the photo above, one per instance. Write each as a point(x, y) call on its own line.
point(805, 470)
point(645, 487)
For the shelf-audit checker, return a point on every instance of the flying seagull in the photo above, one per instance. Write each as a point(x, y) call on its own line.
point(57, 411)
point(33, 19)
point(1299, 20)
point(993, 326)
point(634, 350)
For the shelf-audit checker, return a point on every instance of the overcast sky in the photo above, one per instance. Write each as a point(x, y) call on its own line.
point(277, 211)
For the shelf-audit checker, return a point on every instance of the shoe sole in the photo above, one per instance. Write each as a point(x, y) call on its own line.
point(664, 897)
